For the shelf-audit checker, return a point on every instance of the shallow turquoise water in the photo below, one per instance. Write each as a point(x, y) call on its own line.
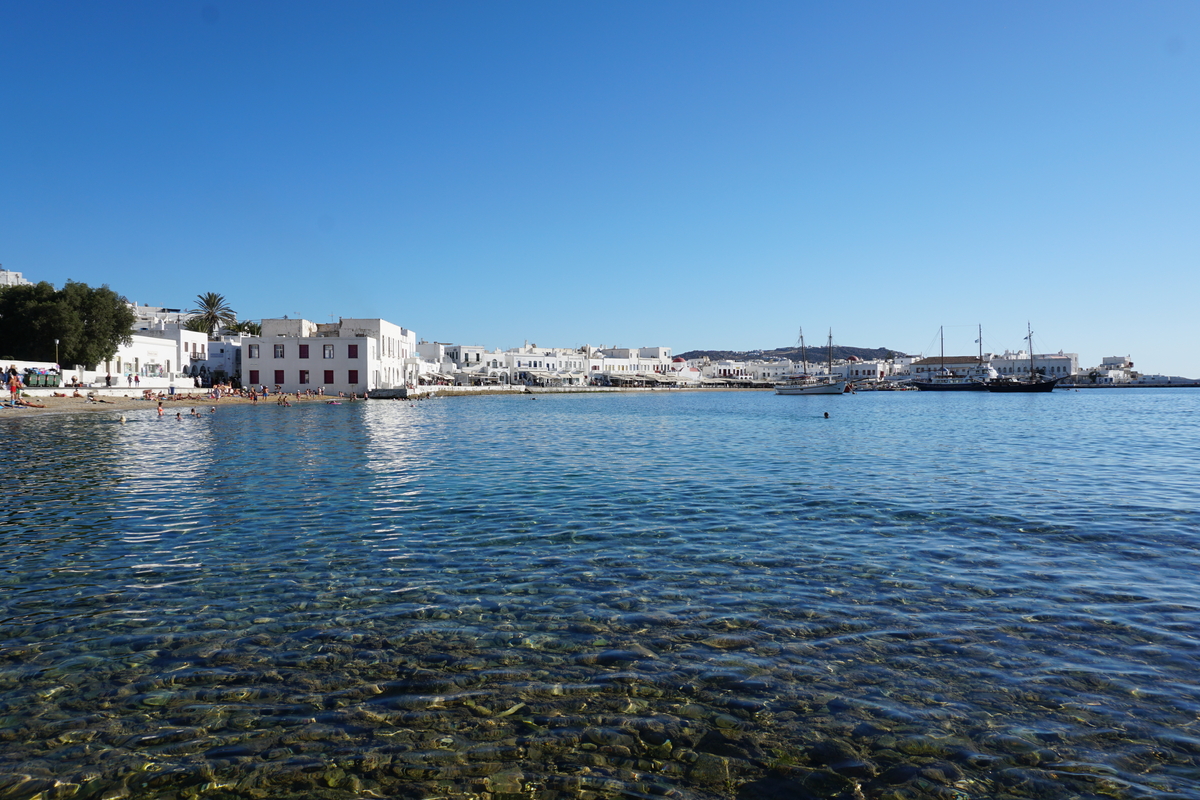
point(640, 595)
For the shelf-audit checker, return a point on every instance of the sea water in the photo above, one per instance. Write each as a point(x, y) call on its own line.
point(658, 594)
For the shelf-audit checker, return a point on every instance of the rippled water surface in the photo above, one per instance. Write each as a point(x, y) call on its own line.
point(578, 596)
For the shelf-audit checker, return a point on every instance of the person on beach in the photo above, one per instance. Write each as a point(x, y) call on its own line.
point(108, 380)
point(137, 381)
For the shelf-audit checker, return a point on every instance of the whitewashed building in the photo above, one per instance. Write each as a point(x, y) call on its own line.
point(224, 359)
point(160, 354)
point(350, 356)
point(10, 278)
point(546, 366)
point(1052, 365)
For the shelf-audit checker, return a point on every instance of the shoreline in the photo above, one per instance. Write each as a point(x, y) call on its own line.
point(113, 401)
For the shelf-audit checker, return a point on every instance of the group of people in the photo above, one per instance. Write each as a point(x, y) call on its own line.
point(13, 380)
point(131, 379)
point(179, 414)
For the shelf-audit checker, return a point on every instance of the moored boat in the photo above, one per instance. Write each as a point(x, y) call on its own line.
point(1034, 383)
point(1011, 385)
point(812, 384)
point(973, 377)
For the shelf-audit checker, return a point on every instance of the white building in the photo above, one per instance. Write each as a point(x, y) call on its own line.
point(148, 316)
point(546, 366)
point(1051, 365)
point(771, 371)
point(10, 278)
point(858, 369)
point(224, 360)
point(1112, 370)
point(351, 356)
point(160, 355)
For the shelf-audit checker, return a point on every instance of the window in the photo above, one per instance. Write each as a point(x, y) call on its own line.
point(253, 352)
point(253, 376)
point(328, 376)
point(304, 351)
point(279, 351)
point(352, 351)
point(279, 377)
point(353, 377)
point(303, 377)
point(328, 351)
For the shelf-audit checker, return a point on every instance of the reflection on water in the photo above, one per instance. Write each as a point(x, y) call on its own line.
point(689, 596)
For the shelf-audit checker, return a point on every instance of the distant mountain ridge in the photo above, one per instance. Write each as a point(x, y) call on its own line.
point(816, 354)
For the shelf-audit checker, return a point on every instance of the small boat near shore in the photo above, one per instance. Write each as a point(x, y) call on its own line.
point(812, 384)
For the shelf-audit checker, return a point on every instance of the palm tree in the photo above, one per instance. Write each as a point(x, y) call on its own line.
point(196, 324)
point(246, 327)
point(213, 312)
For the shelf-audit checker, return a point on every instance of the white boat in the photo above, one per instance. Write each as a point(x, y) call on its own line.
point(811, 384)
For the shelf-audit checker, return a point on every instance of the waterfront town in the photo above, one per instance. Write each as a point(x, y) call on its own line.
point(375, 357)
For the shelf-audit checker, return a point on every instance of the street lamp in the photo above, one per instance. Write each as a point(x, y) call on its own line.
point(56, 353)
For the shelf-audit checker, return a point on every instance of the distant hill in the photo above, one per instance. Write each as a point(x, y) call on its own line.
point(815, 354)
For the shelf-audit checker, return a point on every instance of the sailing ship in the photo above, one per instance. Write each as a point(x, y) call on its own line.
point(811, 384)
point(974, 380)
point(1035, 382)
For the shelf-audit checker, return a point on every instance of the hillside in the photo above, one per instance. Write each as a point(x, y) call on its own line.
point(815, 354)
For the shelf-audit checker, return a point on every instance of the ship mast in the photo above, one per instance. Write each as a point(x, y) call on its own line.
point(1029, 338)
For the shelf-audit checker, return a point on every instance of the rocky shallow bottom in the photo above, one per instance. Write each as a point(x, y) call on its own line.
point(476, 701)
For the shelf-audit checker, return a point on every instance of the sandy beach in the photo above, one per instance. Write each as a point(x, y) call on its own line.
point(111, 400)
point(124, 403)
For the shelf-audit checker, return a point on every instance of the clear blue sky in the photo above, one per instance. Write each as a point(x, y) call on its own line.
point(689, 174)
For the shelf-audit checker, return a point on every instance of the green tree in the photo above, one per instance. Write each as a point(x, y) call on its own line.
point(214, 312)
point(89, 324)
point(107, 323)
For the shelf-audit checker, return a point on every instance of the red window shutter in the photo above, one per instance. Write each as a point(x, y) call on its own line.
point(329, 376)
point(304, 351)
point(353, 377)
point(279, 377)
point(254, 376)
point(352, 352)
